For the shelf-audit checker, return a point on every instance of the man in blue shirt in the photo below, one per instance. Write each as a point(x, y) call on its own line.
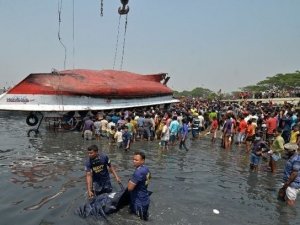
point(137, 186)
point(259, 147)
point(126, 138)
point(184, 134)
point(97, 175)
point(291, 176)
point(174, 128)
point(287, 127)
point(87, 129)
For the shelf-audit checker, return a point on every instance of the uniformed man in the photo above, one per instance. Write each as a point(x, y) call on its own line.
point(97, 169)
point(137, 186)
point(291, 176)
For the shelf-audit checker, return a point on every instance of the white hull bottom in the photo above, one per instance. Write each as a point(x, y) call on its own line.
point(60, 103)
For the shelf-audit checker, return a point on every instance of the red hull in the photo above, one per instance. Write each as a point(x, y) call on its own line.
point(104, 83)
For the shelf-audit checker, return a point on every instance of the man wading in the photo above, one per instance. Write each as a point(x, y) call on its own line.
point(137, 186)
point(97, 175)
point(291, 176)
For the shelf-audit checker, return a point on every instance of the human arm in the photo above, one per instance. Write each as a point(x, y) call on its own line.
point(112, 170)
point(89, 184)
point(130, 185)
point(292, 177)
point(265, 147)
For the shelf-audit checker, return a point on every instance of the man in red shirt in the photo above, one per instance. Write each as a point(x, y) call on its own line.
point(271, 123)
point(213, 129)
point(250, 134)
point(242, 129)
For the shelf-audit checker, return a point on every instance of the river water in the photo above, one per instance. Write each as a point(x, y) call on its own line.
point(42, 181)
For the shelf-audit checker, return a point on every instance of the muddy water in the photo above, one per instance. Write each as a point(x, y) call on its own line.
point(42, 181)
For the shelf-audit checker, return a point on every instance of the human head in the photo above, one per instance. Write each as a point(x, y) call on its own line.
point(277, 132)
point(138, 158)
point(258, 136)
point(290, 149)
point(92, 151)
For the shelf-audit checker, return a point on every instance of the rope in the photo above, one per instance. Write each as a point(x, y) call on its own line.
point(124, 41)
point(59, 26)
point(117, 43)
point(73, 34)
point(101, 8)
point(65, 49)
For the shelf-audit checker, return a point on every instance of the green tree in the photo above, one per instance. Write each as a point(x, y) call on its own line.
point(279, 81)
point(196, 92)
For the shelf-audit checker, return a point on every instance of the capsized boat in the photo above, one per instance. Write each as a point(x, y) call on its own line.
point(84, 90)
point(60, 94)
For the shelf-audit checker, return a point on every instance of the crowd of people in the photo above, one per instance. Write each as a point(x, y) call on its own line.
point(271, 93)
point(265, 131)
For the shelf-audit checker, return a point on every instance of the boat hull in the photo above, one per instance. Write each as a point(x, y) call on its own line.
point(61, 103)
point(82, 90)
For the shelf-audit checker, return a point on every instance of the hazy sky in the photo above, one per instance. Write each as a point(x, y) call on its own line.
point(215, 44)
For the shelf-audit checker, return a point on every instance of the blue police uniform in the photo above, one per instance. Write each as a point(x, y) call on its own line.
point(140, 196)
point(293, 164)
point(101, 178)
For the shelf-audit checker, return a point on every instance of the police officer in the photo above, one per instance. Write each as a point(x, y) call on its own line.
point(291, 176)
point(137, 186)
point(97, 175)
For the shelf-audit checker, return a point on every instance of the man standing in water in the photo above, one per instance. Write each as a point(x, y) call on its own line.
point(277, 147)
point(137, 186)
point(97, 175)
point(259, 147)
point(88, 128)
point(291, 176)
point(184, 134)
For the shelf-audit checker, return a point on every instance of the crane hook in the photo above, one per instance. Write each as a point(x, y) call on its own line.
point(124, 2)
point(123, 10)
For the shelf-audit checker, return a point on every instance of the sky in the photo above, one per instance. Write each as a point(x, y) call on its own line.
point(214, 44)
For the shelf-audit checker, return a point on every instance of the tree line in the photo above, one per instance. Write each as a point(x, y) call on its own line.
point(288, 81)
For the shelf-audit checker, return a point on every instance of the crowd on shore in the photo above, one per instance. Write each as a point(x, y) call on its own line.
point(269, 94)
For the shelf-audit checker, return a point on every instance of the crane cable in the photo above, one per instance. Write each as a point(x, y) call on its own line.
point(101, 8)
point(117, 42)
point(124, 41)
point(60, 2)
point(73, 35)
point(59, 26)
